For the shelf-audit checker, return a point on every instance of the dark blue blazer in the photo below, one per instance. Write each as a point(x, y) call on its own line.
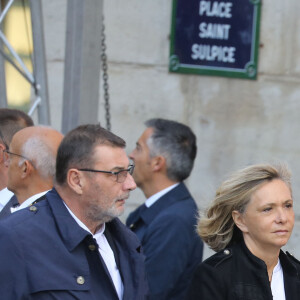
point(45, 254)
point(5, 212)
point(170, 243)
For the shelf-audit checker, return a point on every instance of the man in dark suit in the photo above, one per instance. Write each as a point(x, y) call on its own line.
point(72, 245)
point(165, 224)
point(11, 121)
point(31, 160)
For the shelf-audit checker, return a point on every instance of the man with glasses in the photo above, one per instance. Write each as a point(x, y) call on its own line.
point(165, 224)
point(72, 245)
point(11, 121)
point(31, 161)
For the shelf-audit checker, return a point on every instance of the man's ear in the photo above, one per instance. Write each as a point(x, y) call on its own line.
point(2, 147)
point(26, 169)
point(75, 181)
point(158, 163)
point(239, 221)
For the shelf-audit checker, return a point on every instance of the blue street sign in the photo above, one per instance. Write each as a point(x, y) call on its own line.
point(215, 37)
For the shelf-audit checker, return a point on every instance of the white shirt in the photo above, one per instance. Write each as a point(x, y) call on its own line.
point(28, 201)
point(106, 253)
point(277, 283)
point(151, 200)
point(5, 196)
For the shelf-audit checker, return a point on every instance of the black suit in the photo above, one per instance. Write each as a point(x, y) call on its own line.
point(235, 273)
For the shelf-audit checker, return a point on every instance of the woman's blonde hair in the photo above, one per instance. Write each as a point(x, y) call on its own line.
point(216, 227)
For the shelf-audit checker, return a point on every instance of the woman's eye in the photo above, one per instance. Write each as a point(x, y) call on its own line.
point(267, 209)
point(289, 205)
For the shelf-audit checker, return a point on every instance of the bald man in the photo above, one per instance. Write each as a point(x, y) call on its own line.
point(11, 121)
point(31, 160)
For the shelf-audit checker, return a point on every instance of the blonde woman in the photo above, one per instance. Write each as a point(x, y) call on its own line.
point(251, 218)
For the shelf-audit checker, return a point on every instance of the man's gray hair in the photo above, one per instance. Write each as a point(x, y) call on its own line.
point(176, 143)
point(41, 155)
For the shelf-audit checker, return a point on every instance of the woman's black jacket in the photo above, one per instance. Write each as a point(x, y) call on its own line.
point(236, 274)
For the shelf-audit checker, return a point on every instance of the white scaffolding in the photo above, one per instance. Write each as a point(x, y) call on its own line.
point(37, 79)
point(82, 63)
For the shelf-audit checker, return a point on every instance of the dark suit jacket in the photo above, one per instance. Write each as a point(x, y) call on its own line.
point(172, 248)
point(235, 273)
point(45, 254)
point(5, 212)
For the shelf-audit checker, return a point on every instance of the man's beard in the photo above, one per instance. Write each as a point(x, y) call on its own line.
point(97, 214)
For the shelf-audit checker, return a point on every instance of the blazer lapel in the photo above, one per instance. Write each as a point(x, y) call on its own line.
point(130, 259)
point(6, 209)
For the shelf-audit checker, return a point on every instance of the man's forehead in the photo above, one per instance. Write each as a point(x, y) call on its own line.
point(109, 155)
point(14, 143)
point(20, 137)
point(145, 135)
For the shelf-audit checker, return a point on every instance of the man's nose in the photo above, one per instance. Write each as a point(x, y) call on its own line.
point(129, 183)
point(132, 154)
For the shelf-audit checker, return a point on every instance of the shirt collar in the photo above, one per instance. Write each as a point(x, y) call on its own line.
point(5, 196)
point(82, 225)
point(278, 267)
point(31, 199)
point(71, 233)
point(151, 200)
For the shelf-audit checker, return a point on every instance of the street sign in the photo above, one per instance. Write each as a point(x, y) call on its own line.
point(215, 37)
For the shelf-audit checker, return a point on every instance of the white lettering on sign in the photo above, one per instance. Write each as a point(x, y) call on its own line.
point(214, 31)
point(215, 9)
point(220, 53)
point(213, 53)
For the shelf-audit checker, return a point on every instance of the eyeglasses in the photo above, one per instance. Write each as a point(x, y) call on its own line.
point(120, 175)
point(2, 138)
point(7, 158)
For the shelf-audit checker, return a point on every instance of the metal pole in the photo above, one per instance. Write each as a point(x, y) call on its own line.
point(3, 100)
point(25, 70)
point(39, 61)
point(5, 10)
point(82, 63)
